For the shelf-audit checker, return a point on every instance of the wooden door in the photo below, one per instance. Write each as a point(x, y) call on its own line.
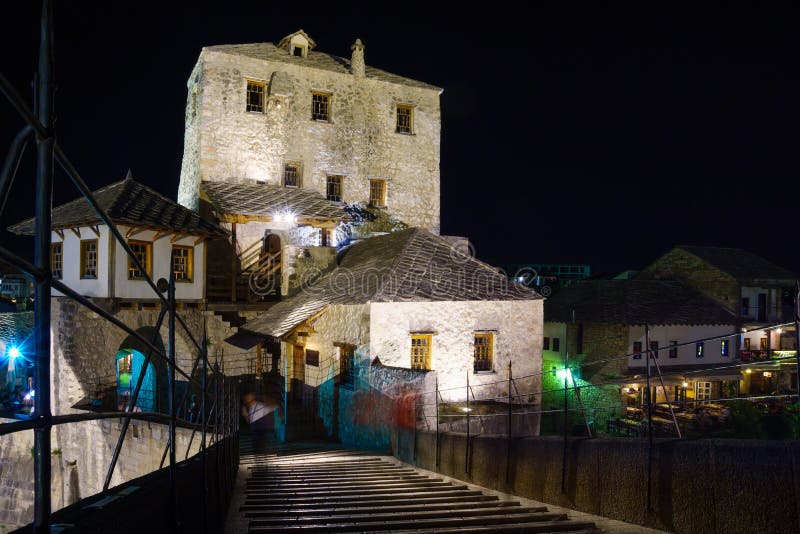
point(298, 372)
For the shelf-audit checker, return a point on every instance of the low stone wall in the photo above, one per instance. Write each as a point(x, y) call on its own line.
point(697, 486)
point(81, 456)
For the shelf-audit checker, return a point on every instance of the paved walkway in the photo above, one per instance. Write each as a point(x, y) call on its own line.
point(322, 487)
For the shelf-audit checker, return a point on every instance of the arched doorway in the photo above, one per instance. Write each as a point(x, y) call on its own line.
point(129, 365)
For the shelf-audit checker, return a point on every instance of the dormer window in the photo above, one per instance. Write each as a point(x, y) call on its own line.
point(298, 51)
point(297, 44)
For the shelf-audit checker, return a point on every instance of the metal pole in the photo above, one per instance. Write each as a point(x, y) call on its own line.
point(173, 490)
point(44, 202)
point(204, 387)
point(566, 422)
point(12, 162)
point(436, 460)
point(134, 397)
point(508, 439)
point(466, 457)
point(649, 420)
point(797, 335)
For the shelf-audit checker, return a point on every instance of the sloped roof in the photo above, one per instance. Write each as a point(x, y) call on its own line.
point(739, 263)
point(16, 328)
point(265, 200)
point(635, 302)
point(316, 60)
point(284, 43)
point(131, 203)
point(409, 265)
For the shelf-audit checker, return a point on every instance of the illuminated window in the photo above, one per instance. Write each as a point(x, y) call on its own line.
point(255, 96)
point(333, 188)
point(321, 106)
point(654, 349)
point(724, 344)
point(292, 174)
point(89, 258)
point(143, 251)
point(421, 351)
point(377, 193)
point(325, 238)
point(57, 259)
point(747, 343)
point(546, 343)
point(483, 349)
point(700, 349)
point(637, 350)
point(673, 349)
point(762, 343)
point(183, 263)
point(702, 390)
point(405, 119)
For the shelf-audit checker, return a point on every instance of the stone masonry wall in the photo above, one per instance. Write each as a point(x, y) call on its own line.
point(359, 142)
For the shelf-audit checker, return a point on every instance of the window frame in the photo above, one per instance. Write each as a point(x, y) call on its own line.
point(546, 343)
point(83, 263)
point(328, 106)
point(699, 350)
point(654, 349)
point(60, 261)
point(189, 263)
point(373, 181)
point(263, 86)
point(428, 353)
point(637, 350)
point(312, 357)
point(725, 348)
point(489, 356)
point(673, 349)
point(397, 128)
point(556, 344)
point(299, 169)
point(330, 181)
point(148, 263)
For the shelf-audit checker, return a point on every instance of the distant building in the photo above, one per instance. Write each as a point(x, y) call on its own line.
point(547, 276)
point(604, 319)
point(758, 292)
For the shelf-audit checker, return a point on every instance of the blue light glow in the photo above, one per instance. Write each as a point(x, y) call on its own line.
point(14, 353)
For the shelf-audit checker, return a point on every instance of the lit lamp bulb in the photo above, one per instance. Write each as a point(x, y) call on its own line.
point(13, 353)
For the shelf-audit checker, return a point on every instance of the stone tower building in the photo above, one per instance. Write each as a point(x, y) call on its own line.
point(287, 115)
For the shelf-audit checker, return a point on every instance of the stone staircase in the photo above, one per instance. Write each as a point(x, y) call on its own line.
point(324, 488)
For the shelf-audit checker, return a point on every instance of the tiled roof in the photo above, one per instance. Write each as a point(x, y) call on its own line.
point(741, 264)
point(17, 328)
point(635, 302)
point(317, 60)
point(130, 203)
point(265, 200)
point(409, 265)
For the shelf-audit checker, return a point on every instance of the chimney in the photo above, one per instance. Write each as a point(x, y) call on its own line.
point(357, 66)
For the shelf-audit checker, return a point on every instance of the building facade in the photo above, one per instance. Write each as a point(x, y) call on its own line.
point(287, 115)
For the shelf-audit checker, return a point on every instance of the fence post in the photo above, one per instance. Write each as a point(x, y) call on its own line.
point(466, 457)
point(649, 420)
point(204, 386)
point(797, 335)
point(173, 486)
point(436, 460)
point(566, 423)
point(508, 445)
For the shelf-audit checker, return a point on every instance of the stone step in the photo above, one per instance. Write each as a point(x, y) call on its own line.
point(323, 509)
point(546, 519)
point(353, 494)
point(409, 498)
point(471, 497)
point(305, 519)
point(348, 486)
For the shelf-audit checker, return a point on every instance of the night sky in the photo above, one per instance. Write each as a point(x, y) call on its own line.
point(600, 136)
